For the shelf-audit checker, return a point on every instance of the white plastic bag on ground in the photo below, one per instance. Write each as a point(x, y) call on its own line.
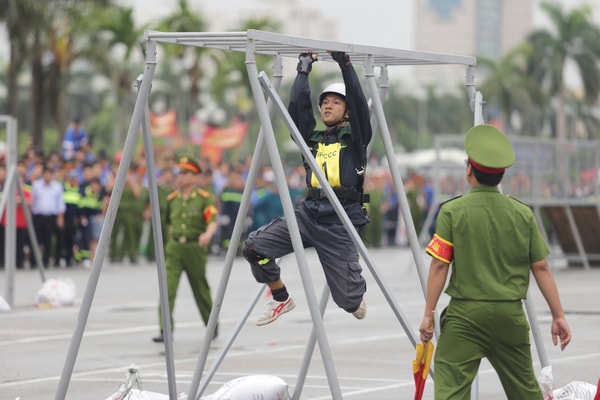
point(56, 293)
point(545, 381)
point(264, 387)
point(576, 391)
point(4, 307)
point(132, 389)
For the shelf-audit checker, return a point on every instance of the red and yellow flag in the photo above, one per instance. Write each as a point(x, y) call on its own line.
point(420, 367)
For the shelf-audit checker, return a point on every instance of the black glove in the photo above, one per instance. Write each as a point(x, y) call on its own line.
point(341, 57)
point(305, 62)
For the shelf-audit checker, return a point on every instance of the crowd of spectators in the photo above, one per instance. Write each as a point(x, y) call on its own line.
point(68, 195)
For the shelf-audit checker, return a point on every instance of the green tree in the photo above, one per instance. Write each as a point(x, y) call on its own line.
point(230, 86)
point(232, 75)
point(573, 38)
point(507, 85)
point(20, 18)
point(41, 36)
point(187, 58)
point(25, 20)
point(113, 43)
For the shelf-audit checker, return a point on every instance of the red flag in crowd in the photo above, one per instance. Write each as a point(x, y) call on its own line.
point(164, 125)
point(214, 140)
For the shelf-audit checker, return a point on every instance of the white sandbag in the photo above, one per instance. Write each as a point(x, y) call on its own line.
point(137, 394)
point(56, 293)
point(576, 391)
point(264, 387)
point(132, 390)
point(4, 307)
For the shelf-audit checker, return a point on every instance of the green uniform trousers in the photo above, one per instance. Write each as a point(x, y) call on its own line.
point(191, 258)
point(130, 222)
point(496, 330)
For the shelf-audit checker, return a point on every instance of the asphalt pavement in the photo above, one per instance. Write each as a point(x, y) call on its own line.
point(372, 357)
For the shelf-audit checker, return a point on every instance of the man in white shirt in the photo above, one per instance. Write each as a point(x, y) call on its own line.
point(48, 210)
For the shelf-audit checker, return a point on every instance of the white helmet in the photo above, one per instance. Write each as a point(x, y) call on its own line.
point(337, 88)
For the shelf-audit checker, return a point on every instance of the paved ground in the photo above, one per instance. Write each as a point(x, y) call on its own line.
point(372, 357)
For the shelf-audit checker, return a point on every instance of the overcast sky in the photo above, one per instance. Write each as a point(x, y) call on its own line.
point(383, 23)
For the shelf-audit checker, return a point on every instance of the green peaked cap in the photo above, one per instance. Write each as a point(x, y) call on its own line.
point(489, 147)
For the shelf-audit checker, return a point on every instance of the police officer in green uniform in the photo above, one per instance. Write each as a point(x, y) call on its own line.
point(492, 242)
point(165, 188)
point(129, 220)
point(192, 219)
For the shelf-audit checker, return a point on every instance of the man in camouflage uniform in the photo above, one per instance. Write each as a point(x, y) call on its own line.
point(192, 219)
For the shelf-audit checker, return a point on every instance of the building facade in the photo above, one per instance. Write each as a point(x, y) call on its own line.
point(488, 28)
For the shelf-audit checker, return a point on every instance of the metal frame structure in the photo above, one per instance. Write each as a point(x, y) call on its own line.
point(253, 42)
point(12, 186)
point(8, 203)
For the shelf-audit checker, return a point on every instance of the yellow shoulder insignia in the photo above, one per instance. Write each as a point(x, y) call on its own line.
point(172, 195)
point(203, 193)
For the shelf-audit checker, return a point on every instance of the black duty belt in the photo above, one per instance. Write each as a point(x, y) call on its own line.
point(350, 194)
point(185, 239)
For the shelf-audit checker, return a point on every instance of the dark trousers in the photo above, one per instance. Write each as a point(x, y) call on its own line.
point(66, 240)
point(45, 230)
point(334, 246)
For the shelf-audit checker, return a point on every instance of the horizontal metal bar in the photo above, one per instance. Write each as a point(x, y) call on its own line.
point(275, 44)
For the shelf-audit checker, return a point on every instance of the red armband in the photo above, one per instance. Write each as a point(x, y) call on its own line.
point(209, 213)
point(441, 249)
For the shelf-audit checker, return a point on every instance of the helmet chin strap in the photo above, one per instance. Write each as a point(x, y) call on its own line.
point(344, 119)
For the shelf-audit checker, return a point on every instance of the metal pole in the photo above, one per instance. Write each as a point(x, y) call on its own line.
point(577, 237)
point(383, 88)
point(8, 204)
point(219, 359)
point(340, 212)
point(10, 255)
point(35, 247)
point(310, 347)
point(109, 221)
point(290, 216)
point(535, 331)
point(158, 246)
point(235, 239)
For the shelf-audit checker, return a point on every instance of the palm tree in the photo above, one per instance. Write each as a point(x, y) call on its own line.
point(507, 85)
point(115, 40)
point(41, 33)
point(574, 38)
point(19, 19)
point(230, 87)
point(232, 75)
point(25, 20)
point(186, 20)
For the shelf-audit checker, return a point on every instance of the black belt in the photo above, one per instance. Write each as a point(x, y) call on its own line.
point(350, 194)
point(185, 239)
point(489, 301)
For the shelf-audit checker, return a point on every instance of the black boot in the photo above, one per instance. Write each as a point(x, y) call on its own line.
point(160, 338)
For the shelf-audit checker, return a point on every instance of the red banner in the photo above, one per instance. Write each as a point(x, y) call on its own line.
point(213, 140)
point(164, 125)
point(225, 138)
